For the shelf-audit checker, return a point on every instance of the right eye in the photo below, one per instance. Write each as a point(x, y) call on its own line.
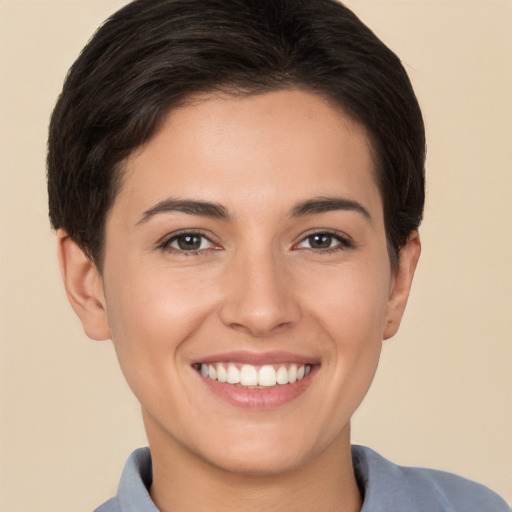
point(188, 242)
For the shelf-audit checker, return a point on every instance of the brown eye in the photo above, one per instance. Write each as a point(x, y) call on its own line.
point(325, 241)
point(320, 241)
point(189, 242)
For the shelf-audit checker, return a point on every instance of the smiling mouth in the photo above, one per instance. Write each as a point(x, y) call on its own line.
point(247, 375)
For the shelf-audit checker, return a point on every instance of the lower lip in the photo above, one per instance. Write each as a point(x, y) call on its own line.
point(259, 398)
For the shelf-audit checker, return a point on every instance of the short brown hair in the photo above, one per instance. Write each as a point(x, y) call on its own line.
point(152, 55)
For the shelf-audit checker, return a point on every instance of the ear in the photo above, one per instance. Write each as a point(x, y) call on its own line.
point(401, 284)
point(84, 287)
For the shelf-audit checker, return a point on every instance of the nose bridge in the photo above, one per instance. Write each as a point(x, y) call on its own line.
point(258, 296)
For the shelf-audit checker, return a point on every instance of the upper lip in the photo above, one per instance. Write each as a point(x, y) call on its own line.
point(257, 358)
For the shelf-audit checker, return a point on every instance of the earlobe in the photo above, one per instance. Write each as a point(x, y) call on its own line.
point(84, 287)
point(402, 281)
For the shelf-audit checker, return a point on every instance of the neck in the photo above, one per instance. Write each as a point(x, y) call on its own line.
point(182, 481)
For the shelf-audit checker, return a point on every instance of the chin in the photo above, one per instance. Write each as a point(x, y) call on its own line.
point(272, 462)
point(265, 453)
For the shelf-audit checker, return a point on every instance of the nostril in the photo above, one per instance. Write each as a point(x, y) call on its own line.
point(259, 328)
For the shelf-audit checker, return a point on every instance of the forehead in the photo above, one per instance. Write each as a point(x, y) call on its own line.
point(274, 146)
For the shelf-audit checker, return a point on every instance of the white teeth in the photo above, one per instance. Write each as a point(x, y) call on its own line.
point(266, 376)
point(248, 375)
point(233, 374)
point(292, 373)
point(222, 374)
point(282, 375)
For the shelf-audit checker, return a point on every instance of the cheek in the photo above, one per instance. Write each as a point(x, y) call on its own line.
point(345, 309)
point(351, 302)
point(150, 317)
point(351, 309)
point(151, 302)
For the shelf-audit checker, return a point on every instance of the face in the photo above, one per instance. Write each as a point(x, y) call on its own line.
point(247, 285)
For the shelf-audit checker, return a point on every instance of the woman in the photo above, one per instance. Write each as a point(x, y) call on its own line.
point(237, 188)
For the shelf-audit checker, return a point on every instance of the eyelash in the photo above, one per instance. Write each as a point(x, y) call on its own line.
point(344, 242)
point(166, 244)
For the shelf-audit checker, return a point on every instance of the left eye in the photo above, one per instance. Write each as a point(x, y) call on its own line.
point(189, 242)
point(323, 241)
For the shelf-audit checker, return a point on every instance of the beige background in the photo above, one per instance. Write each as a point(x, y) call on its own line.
point(442, 396)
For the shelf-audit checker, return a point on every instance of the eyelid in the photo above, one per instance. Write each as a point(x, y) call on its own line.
point(165, 242)
point(345, 241)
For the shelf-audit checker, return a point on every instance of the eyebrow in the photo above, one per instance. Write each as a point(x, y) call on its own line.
point(217, 211)
point(329, 204)
point(191, 207)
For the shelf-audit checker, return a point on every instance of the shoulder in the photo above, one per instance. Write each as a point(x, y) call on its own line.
point(133, 489)
point(388, 486)
point(109, 506)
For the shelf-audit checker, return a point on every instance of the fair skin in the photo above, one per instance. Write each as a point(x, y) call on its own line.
point(285, 265)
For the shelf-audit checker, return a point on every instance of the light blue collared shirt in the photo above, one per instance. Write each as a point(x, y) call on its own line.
point(386, 487)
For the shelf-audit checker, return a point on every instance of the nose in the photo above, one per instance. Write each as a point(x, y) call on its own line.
point(259, 298)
